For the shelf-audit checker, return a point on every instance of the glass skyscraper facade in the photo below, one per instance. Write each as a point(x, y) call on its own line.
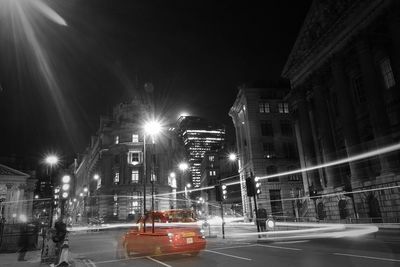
point(199, 136)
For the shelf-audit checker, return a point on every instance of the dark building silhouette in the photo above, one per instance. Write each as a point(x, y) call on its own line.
point(344, 71)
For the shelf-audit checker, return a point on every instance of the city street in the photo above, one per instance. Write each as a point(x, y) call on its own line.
point(100, 249)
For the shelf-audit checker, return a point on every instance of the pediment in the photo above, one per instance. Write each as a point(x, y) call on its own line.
point(7, 171)
point(325, 20)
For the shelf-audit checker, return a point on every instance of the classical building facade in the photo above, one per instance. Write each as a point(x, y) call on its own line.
point(121, 161)
point(16, 195)
point(344, 71)
point(266, 146)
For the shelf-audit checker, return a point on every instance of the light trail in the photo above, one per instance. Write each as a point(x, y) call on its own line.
point(373, 153)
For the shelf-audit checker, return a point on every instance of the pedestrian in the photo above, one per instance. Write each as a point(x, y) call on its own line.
point(262, 219)
point(23, 242)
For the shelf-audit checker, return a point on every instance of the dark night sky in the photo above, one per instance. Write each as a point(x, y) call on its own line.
point(195, 53)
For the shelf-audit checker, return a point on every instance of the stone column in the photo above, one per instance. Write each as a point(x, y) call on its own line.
point(347, 118)
point(375, 100)
point(307, 145)
point(325, 132)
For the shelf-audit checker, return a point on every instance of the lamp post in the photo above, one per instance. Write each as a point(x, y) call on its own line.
point(151, 128)
point(183, 166)
point(51, 161)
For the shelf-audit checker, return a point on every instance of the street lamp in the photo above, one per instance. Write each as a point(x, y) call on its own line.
point(151, 128)
point(51, 161)
point(232, 157)
point(183, 166)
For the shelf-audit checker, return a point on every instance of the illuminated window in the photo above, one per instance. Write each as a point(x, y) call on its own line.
point(135, 176)
point(269, 150)
point(387, 73)
point(134, 157)
point(116, 139)
point(264, 108)
point(135, 138)
point(116, 177)
point(283, 107)
point(211, 158)
point(213, 173)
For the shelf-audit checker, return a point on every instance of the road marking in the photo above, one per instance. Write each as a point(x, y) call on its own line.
point(292, 242)
point(234, 247)
point(228, 255)
point(91, 263)
point(268, 246)
point(160, 262)
point(366, 257)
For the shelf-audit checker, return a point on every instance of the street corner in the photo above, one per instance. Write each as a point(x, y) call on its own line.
point(30, 258)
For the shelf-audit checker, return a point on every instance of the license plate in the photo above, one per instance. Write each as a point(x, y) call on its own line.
point(188, 234)
point(189, 240)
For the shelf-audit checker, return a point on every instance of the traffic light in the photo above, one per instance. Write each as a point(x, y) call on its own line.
point(224, 192)
point(258, 185)
point(250, 187)
point(218, 193)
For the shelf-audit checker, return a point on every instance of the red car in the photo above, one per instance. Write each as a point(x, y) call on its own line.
point(165, 232)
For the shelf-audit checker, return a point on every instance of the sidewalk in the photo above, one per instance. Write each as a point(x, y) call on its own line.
point(32, 258)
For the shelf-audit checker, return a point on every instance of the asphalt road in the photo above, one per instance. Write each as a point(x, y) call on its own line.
point(101, 249)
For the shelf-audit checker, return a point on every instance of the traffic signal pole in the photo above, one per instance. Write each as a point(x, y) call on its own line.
point(256, 209)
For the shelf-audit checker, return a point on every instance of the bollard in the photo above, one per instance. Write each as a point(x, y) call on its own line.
point(63, 259)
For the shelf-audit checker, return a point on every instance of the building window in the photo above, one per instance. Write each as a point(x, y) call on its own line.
point(387, 73)
point(264, 107)
point(269, 150)
point(358, 90)
point(213, 173)
point(289, 150)
point(135, 138)
point(276, 202)
point(116, 177)
point(286, 128)
point(266, 128)
point(283, 107)
point(134, 157)
point(270, 171)
point(211, 158)
point(135, 176)
point(116, 139)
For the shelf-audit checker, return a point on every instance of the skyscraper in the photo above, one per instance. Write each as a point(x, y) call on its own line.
point(199, 136)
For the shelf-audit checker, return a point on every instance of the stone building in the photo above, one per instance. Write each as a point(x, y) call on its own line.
point(113, 168)
point(344, 71)
point(16, 195)
point(266, 145)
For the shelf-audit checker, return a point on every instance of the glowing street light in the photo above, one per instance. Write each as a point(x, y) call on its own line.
point(96, 177)
point(85, 189)
point(51, 160)
point(232, 157)
point(183, 166)
point(152, 128)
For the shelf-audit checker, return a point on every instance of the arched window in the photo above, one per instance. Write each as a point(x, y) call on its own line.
point(321, 211)
point(374, 209)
